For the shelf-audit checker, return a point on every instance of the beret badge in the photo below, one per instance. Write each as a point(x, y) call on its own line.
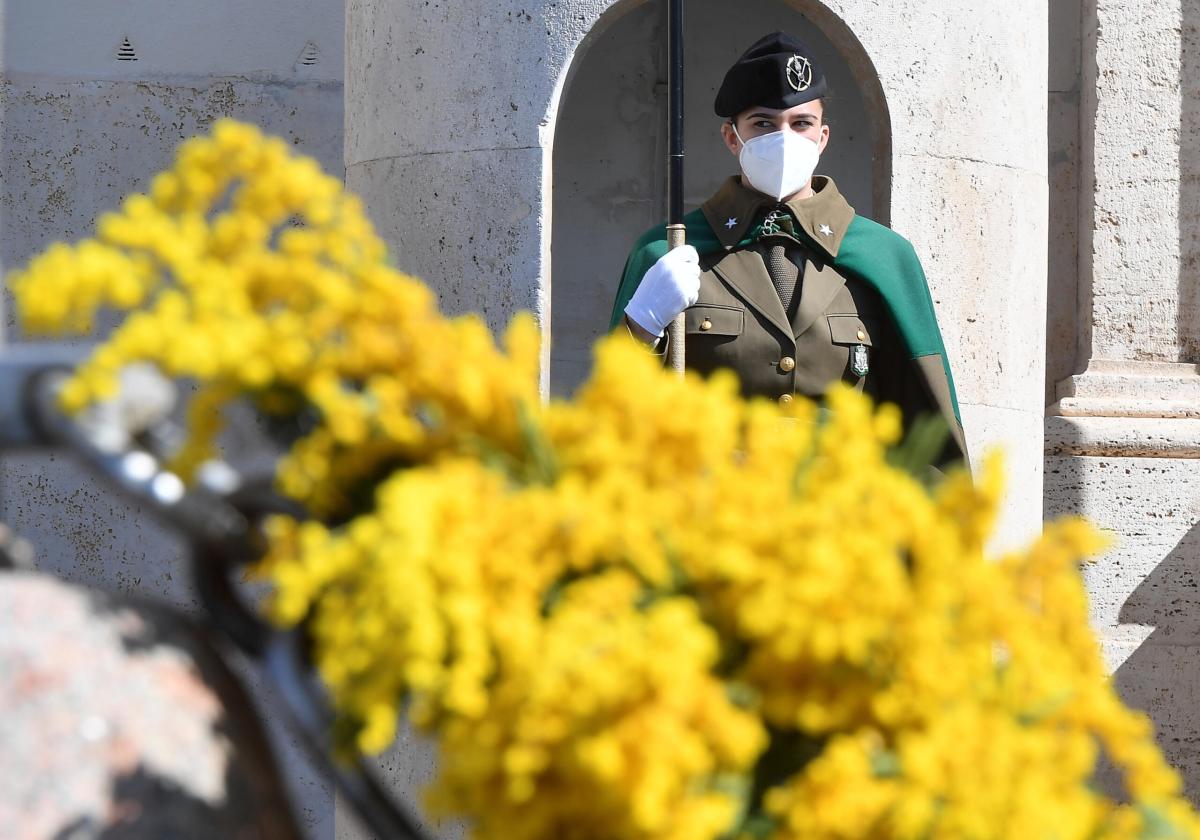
point(799, 73)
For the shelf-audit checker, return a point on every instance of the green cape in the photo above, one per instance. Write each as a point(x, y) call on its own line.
point(869, 251)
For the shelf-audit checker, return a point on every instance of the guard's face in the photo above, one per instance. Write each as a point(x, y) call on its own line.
point(806, 118)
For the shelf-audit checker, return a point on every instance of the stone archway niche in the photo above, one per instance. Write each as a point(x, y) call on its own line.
point(609, 142)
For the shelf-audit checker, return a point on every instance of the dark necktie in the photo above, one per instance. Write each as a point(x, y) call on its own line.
point(784, 273)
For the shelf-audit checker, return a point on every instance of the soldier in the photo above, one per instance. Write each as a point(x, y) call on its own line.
point(780, 280)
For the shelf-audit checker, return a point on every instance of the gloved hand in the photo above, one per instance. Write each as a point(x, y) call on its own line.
point(670, 286)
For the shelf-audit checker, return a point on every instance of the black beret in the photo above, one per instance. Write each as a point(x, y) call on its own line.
point(777, 71)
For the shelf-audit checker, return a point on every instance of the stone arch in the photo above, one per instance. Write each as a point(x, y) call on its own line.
point(608, 143)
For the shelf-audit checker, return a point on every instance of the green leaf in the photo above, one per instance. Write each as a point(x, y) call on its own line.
point(885, 764)
point(921, 447)
point(805, 461)
point(755, 827)
point(1158, 827)
point(742, 695)
point(542, 464)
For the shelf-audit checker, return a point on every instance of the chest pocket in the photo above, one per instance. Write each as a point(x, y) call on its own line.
point(714, 320)
point(849, 332)
point(848, 329)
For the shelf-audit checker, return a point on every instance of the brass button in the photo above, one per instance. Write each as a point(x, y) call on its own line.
point(785, 399)
point(706, 324)
point(862, 336)
point(787, 363)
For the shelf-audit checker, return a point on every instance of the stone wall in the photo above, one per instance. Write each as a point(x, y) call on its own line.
point(1122, 435)
point(1065, 168)
point(94, 98)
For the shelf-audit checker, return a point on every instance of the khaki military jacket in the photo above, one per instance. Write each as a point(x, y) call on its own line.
point(837, 327)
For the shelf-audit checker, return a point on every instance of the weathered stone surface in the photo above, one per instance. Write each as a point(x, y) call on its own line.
point(118, 720)
point(1150, 506)
point(466, 223)
point(75, 147)
point(986, 294)
point(1138, 389)
point(963, 85)
point(221, 37)
point(982, 292)
point(1065, 168)
point(1138, 187)
point(80, 130)
point(1162, 678)
point(1146, 437)
point(1145, 591)
point(991, 428)
point(1122, 439)
point(1134, 312)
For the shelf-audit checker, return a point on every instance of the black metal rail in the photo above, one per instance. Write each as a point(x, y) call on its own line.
point(222, 528)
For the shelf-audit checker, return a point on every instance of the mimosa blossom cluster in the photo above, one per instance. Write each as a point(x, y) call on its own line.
point(652, 612)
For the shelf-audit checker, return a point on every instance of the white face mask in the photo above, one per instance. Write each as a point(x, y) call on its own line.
point(778, 164)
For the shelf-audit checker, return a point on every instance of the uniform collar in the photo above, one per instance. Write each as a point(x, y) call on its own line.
point(825, 216)
point(735, 210)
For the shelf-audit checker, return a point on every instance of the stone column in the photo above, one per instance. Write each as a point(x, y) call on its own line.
point(1137, 335)
point(448, 128)
point(967, 94)
point(1123, 437)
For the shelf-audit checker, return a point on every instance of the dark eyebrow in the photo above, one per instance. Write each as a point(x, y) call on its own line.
point(802, 116)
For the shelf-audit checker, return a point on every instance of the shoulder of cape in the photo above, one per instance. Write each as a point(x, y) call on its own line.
point(866, 240)
point(649, 249)
point(888, 261)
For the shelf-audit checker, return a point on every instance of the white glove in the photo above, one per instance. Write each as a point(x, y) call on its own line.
point(670, 286)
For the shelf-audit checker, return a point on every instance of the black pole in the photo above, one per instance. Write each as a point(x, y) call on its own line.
point(675, 112)
point(675, 228)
